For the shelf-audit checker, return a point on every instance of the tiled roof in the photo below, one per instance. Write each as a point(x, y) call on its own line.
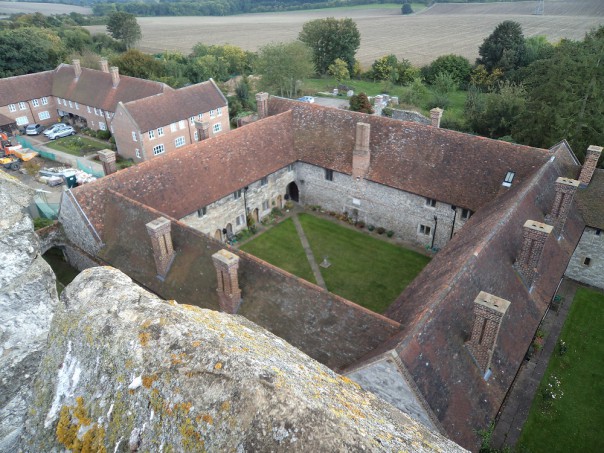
point(456, 168)
point(174, 105)
point(25, 87)
point(5, 120)
point(95, 88)
point(591, 201)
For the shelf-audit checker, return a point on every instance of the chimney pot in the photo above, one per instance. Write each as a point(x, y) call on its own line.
point(108, 158)
point(229, 293)
point(436, 115)
point(534, 237)
point(115, 76)
point(589, 165)
point(262, 104)
point(361, 154)
point(104, 65)
point(77, 68)
point(161, 241)
point(565, 192)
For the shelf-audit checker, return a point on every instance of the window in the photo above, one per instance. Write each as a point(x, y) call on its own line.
point(465, 214)
point(35, 102)
point(237, 194)
point(192, 120)
point(212, 113)
point(44, 115)
point(240, 220)
point(21, 120)
point(182, 124)
point(138, 153)
point(180, 141)
point(160, 131)
point(70, 104)
point(22, 106)
point(12, 107)
point(158, 149)
point(290, 167)
point(196, 136)
point(77, 106)
point(430, 202)
point(64, 102)
point(587, 261)
point(44, 101)
point(509, 177)
point(88, 107)
point(217, 127)
point(425, 229)
point(219, 111)
point(102, 126)
point(151, 135)
point(598, 232)
point(173, 127)
point(96, 111)
point(201, 212)
point(264, 181)
point(329, 174)
point(134, 136)
point(265, 205)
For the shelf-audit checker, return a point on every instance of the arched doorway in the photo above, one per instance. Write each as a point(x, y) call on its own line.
point(218, 235)
point(292, 192)
point(229, 229)
point(279, 202)
point(255, 215)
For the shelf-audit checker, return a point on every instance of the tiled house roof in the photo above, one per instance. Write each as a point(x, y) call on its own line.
point(174, 105)
point(591, 201)
point(95, 88)
point(25, 87)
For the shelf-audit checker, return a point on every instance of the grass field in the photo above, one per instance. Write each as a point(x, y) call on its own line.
point(365, 270)
point(76, 145)
point(573, 421)
point(420, 38)
point(7, 8)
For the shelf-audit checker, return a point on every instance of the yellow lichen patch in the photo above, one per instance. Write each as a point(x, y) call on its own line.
point(80, 412)
point(146, 323)
point(225, 406)
point(172, 302)
point(143, 338)
point(128, 364)
point(191, 439)
point(149, 380)
point(196, 344)
point(349, 381)
point(177, 359)
point(71, 419)
point(208, 419)
point(218, 366)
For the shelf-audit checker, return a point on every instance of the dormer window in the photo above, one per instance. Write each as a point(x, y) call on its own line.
point(430, 202)
point(465, 214)
point(509, 177)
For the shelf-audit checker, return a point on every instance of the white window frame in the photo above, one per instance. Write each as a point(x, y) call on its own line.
point(217, 128)
point(508, 179)
point(179, 141)
point(88, 107)
point(212, 113)
point(237, 194)
point(266, 205)
point(64, 102)
point(240, 220)
point(77, 106)
point(159, 149)
point(22, 106)
point(192, 120)
point(134, 139)
point(219, 111)
point(102, 126)
point(151, 134)
point(424, 230)
point(12, 108)
point(44, 100)
point(196, 136)
point(35, 102)
point(173, 127)
point(160, 131)
point(43, 115)
point(138, 153)
point(182, 124)
point(70, 104)
point(22, 121)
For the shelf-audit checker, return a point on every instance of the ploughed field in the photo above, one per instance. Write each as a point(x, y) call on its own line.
point(420, 38)
point(7, 8)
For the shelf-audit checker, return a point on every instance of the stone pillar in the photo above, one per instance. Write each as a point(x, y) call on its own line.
point(262, 105)
point(488, 314)
point(203, 130)
point(589, 166)
point(161, 240)
point(565, 192)
point(229, 293)
point(115, 76)
point(435, 115)
point(378, 104)
point(107, 158)
point(104, 65)
point(535, 235)
point(361, 154)
point(77, 68)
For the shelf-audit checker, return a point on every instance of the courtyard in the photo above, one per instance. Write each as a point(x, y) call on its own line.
point(359, 266)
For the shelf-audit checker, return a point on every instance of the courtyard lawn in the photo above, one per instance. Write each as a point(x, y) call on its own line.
point(574, 420)
point(76, 145)
point(365, 270)
point(281, 247)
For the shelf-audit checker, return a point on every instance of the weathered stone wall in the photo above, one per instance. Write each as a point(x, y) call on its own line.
point(77, 226)
point(379, 205)
point(27, 298)
point(79, 259)
point(126, 371)
point(226, 210)
point(590, 246)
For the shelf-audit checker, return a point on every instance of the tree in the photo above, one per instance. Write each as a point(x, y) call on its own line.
point(501, 111)
point(504, 48)
point(458, 67)
point(124, 27)
point(134, 63)
point(27, 49)
point(330, 39)
point(283, 65)
point(360, 103)
point(339, 70)
point(406, 8)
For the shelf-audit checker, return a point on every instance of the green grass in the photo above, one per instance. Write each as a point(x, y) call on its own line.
point(281, 247)
point(574, 421)
point(76, 145)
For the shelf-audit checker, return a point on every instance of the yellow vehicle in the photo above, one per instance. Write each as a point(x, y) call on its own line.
point(7, 149)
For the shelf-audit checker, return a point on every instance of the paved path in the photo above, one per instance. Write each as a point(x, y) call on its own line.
point(309, 255)
point(517, 406)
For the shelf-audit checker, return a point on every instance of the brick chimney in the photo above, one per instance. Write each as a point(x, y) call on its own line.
point(589, 166)
point(104, 65)
point(435, 115)
point(262, 104)
point(107, 158)
point(488, 314)
point(361, 154)
point(565, 192)
point(115, 76)
point(77, 68)
point(203, 130)
point(229, 293)
point(161, 240)
point(535, 235)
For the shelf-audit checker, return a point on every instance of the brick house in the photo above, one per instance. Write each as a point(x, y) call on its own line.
point(157, 125)
point(507, 219)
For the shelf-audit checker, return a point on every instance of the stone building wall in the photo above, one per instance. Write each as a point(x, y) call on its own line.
point(587, 263)
point(76, 225)
point(379, 205)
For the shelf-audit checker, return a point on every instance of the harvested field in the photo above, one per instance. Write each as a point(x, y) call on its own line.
point(7, 8)
point(420, 38)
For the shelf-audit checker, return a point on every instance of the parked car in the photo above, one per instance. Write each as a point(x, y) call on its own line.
point(63, 131)
point(308, 99)
point(53, 128)
point(33, 129)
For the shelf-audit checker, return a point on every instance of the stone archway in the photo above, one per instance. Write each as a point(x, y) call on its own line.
point(292, 192)
point(218, 235)
point(279, 201)
point(229, 229)
point(256, 215)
